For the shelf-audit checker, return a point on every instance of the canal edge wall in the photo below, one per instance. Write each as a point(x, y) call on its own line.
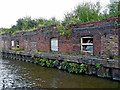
point(110, 68)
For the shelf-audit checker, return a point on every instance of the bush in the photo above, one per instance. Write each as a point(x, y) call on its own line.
point(49, 63)
point(43, 61)
point(55, 63)
point(36, 60)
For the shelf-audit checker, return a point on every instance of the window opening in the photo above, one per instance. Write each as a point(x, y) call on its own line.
point(87, 40)
point(87, 44)
point(54, 44)
point(17, 44)
point(12, 42)
point(87, 48)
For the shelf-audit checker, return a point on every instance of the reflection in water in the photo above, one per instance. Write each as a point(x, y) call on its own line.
point(18, 74)
point(6, 76)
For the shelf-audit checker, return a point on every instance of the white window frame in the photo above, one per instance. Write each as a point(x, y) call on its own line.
point(86, 44)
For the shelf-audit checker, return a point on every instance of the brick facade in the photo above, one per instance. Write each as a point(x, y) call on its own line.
point(105, 35)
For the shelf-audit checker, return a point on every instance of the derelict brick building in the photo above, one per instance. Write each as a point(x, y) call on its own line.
point(97, 38)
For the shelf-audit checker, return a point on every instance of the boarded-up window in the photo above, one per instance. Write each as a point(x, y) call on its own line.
point(6, 47)
point(54, 44)
point(12, 42)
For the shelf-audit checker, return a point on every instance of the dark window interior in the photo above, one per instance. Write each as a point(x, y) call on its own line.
point(17, 44)
point(87, 40)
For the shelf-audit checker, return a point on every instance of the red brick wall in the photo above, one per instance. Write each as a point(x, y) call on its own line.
point(65, 45)
point(41, 39)
point(0, 41)
point(109, 45)
point(97, 45)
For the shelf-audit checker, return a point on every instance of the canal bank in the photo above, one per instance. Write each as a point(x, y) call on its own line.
point(91, 66)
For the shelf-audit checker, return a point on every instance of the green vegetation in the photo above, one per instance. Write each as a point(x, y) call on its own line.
point(82, 53)
point(43, 61)
point(55, 63)
point(68, 67)
point(64, 31)
point(84, 12)
point(64, 65)
point(87, 12)
point(117, 57)
point(83, 68)
point(18, 49)
point(41, 51)
point(4, 30)
point(113, 6)
point(33, 56)
point(37, 60)
point(49, 63)
point(98, 66)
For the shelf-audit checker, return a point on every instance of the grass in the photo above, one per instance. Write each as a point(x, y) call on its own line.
point(18, 49)
point(41, 51)
point(117, 57)
point(18, 31)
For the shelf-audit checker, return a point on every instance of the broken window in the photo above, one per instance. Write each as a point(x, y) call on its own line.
point(88, 48)
point(87, 40)
point(17, 44)
point(87, 44)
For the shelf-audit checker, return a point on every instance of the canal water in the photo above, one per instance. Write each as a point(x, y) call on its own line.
point(19, 74)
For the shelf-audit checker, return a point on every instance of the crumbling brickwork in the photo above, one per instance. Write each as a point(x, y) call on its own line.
point(105, 33)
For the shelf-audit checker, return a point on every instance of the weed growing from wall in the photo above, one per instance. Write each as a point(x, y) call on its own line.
point(99, 66)
point(64, 31)
point(63, 65)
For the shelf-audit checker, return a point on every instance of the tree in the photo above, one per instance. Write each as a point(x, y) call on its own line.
point(113, 8)
point(26, 23)
point(84, 13)
point(51, 21)
point(87, 12)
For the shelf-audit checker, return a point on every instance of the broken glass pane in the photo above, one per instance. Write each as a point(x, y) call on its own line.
point(88, 48)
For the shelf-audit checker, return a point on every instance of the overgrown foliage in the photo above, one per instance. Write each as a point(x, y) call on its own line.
point(99, 66)
point(113, 8)
point(64, 31)
point(68, 67)
point(87, 12)
point(4, 30)
point(84, 12)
